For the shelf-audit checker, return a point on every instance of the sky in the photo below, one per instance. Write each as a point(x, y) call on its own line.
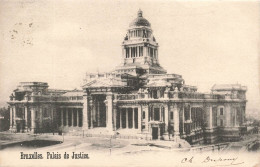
point(207, 42)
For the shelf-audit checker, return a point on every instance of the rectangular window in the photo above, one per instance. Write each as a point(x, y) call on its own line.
point(143, 114)
point(221, 111)
point(171, 115)
point(156, 114)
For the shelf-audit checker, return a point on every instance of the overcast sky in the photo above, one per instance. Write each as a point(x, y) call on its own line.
point(57, 42)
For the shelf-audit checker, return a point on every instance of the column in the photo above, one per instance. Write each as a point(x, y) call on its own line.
point(114, 117)
point(139, 118)
point(126, 119)
point(52, 116)
point(109, 111)
point(227, 112)
point(67, 116)
point(176, 120)
point(84, 113)
point(166, 121)
point(130, 51)
point(77, 111)
point(40, 117)
point(11, 118)
point(145, 51)
point(145, 109)
point(92, 110)
point(133, 116)
point(61, 116)
point(91, 115)
point(72, 117)
point(98, 113)
point(33, 120)
point(25, 118)
point(138, 54)
point(166, 114)
point(183, 120)
point(120, 112)
point(14, 119)
point(160, 113)
point(123, 53)
point(235, 115)
point(159, 93)
point(210, 117)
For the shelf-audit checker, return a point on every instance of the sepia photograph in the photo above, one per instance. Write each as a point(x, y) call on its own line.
point(129, 83)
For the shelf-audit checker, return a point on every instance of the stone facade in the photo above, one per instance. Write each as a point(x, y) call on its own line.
point(137, 98)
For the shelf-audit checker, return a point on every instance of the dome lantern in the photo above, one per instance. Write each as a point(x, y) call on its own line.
point(140, 21)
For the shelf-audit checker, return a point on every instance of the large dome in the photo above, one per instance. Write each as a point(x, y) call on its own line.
point(140, 21)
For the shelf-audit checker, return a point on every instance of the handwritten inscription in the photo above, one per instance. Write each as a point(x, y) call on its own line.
point(220, 161)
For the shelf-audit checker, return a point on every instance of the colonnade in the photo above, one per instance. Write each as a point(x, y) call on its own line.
point(139, 51)
point(135, 51)
point(125, 118)
point(71, 117)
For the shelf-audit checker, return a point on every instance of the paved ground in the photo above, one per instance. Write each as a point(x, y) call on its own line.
point(109, 146)
point(90, 144)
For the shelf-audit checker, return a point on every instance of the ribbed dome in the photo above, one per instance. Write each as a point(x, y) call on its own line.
point(140, 21)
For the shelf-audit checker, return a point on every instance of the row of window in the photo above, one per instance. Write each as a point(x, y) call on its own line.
point(134, 51)
point(137, 51)
point(140, 33)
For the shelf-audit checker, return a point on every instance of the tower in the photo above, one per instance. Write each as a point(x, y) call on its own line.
point(140, 49)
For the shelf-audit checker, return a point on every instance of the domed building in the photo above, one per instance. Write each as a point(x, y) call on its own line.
point(138, 99)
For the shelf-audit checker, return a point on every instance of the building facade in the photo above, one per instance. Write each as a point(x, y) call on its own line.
point(137, 98)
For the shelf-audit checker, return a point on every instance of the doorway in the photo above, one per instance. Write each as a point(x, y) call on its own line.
point(155, 133)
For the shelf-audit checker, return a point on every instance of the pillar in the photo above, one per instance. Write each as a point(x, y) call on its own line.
point(130, 51)
point(183, 121)
point(120, 112)
point(166, 114)
point(126, 119)
point(14, 119)
point(123, 53)
point(61, 116)
point(33, 120)
point(145, 52)
point(92, 110)
point(25, 117)
point(138, 54)
point(98, 113)
point(176, 120)
point(139, 119)
point(109, 111)
point(77, 112)
point(160, 113)
point(40, 117)
point(145, 109)
point(114, 117)
point(67, 116)
point(235, 115)
point(166, 119)
point(72, 117)
point(227, 113)
point(133, 118)
point(210, 118)
point(11, 118)
point(84, 113)
point(52, 117)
